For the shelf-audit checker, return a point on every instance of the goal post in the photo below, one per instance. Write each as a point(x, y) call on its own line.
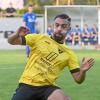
point(80, 14)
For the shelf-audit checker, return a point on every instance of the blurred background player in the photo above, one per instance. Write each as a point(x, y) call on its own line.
point(29, 21)
point(49, 30)
point(93, 39)
point(69, 38)
point(10, 11)
point(76, 35)
point(85, 35)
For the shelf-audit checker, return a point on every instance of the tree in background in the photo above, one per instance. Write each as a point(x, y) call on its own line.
point(41, 3)
point(92, 2)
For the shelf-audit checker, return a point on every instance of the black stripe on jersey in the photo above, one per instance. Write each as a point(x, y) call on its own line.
point(75, 70)
point(23, 40)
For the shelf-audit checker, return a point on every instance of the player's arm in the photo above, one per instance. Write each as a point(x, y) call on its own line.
point(15, 39)
point(24, 20)
point(80, 75)
point(19, 37)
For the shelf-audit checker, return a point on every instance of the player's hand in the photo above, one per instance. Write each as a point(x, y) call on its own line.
point(86, 64)
point(22, 31)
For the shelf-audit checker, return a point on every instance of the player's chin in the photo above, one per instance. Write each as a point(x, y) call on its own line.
point(60, 36)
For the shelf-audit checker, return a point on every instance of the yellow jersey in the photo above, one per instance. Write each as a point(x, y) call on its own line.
point(47, 59)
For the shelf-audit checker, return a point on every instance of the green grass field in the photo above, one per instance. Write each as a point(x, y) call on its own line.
point(12, 64)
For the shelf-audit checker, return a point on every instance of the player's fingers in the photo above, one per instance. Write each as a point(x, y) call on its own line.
point(92, 63)
point(83, 59)
point(90, 60)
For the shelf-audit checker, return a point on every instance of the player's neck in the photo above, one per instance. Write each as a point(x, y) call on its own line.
point(30, 12)
point(58, 41)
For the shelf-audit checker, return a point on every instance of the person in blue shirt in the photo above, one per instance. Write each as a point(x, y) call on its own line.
point(85, 35)
point(49, 30)
point(77, 35)
point(29, 20)
point(69, 38)
point(94, 35)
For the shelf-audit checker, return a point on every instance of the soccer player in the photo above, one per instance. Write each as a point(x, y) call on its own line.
point(29, 20)
point(48, 57)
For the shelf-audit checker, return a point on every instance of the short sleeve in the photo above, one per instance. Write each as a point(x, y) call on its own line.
point(32, 38)
point(73, 64)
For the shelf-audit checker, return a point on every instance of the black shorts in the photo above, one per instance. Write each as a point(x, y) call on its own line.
point(28, 92)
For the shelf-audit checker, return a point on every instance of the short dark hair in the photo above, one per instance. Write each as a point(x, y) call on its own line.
point(30, 5)
point(63, 16)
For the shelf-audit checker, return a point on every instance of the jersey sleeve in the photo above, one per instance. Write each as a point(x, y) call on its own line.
point(35, 18)
point(73, 64)
point(31, 39)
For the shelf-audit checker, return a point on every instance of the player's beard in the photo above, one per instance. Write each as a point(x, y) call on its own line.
point(59, 37)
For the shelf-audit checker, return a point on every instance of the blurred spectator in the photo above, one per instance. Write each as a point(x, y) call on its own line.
point(77, 35)
point(94, 35)
point(85, 35)
point(29, 20)
point(49, 30)
point(10, 11)
point(69, 38)
point(95, 29)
